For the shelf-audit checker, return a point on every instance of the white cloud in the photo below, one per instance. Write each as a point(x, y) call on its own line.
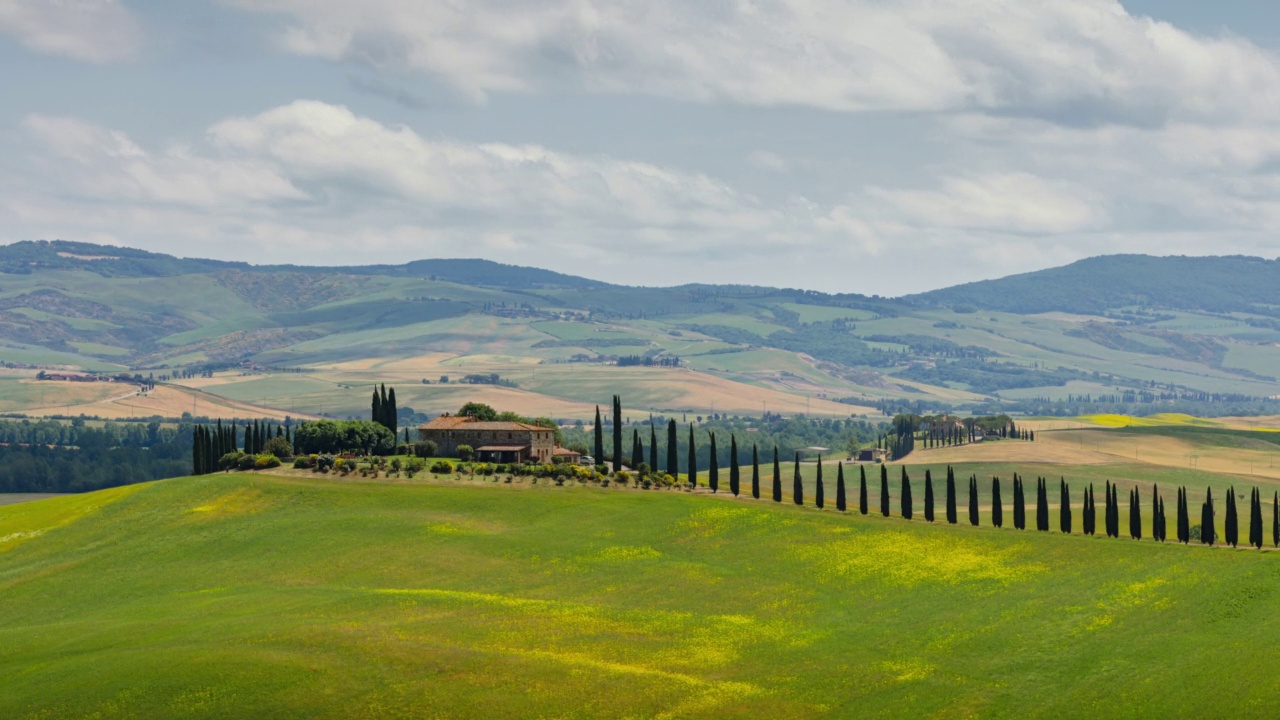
point(1080, 60)
point(96, 31)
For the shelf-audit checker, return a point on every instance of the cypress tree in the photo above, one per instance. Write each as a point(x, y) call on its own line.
point(383, 407)
point(997, 504)
point(1275, 520)
point(713, 467)
point(1255, 519)
point(637, 450)
point(797, 490)
point(840, 500)
point(673, 458)
point(1019, 504)
point(884, 491)
point(818, 494)
point(1184, 523)
point(617, 433)
point(973, 501)
point(693, 460)
point(1042, 506)
point(1135, 515)
point(755, 472)
point(862, 489)
point(1087, 516)
point(951, 496)
point(393, 422)
point(734, 477)
point(1207, 533)
point(653, 448)
point(376, 409)
point(197, 452)
point(777, 477)
point(1064, 508)
point(1230, 529)
point(928, 496)
point(907, 505)
point(599, 433)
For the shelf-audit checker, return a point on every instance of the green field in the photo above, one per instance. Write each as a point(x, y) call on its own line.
point(240, 596)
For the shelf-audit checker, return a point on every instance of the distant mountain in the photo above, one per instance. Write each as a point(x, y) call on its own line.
point(1092, 286)
point(31, 256)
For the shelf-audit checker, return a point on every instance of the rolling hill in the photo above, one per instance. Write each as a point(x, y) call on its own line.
point(1119, 333)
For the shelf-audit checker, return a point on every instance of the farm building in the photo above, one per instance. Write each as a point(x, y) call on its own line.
point(500, 442)
point(875, 455)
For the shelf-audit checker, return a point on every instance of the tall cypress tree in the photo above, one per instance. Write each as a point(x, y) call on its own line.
point(884, 491)
point(1019, 504)
point(1042, 506)
point(973, 500)
point(907, 505)
point(1230, 529)
point(1087, 516)
point(951, 496)
point(1255, 519)
point(385, 405)
point(1275, 520)
point(734, 477)
point(997, 504)
point(599, 433)
point(840, 499)
point(617, 433)
point(1183, 522)
point(1207, 533)
point(637, 450)
point(693, 460)
point(653, 447)
point(797, 490)
point(777, 477)
point(375, 413)
point(392, 415)
point(819, 496)
point(862, 490)
point(928, 496)
point(755, 471)
point(1135, 515)
point(1064, 508)
point(713, 467)
point(673, 457)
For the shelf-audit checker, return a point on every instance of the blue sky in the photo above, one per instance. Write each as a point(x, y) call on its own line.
point(876, 146)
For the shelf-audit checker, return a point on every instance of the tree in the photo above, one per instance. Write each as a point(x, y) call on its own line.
point(1184, 521)
point(375, 414)
point(390, 413)
point(755, 471)
point(653, 446)
point(713, 467)
point(476, 410)
point(599, 438)
point(777, 477)
point(862, 490)
point(465, 452)
point(1019, 504)
point(819, 495)
point(928, 496)
point(973, 500)
point(905, 501)
point(1275, 520)
point(1207, 533)
point(673, 458)
point(1135, 515)
point(951, 496)
point(693, 460)
point(617, 433)
point(637, 449)
point(1064, 507)
point(1088, 513)
point(997, 505)
point(279, 447)
point(1109, 514)
point(840, 499)
point(734, 477)
point(1255, 519)
point(1042, 506)
point(797, 489)
point(1157, 514)
point(1230, 529)
point(884, 491)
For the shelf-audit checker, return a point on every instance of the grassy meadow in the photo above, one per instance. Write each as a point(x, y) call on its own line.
point(284, 596)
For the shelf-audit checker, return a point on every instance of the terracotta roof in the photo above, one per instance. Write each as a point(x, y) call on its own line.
point(564, 451)
point(459, 422)
point(502, 448)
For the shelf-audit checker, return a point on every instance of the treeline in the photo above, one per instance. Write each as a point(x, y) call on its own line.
point(666, 361)
point(51, 457)
point(934, 431)
point(211, 444)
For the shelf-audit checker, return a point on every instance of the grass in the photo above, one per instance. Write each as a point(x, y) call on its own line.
point(270, 596)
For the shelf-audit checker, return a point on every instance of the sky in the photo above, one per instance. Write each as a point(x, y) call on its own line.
point(870, 146)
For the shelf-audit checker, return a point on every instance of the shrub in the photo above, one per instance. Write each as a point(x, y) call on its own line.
point(1194, 532)
point(425, 449)
point(465, 453)
point(278, 447)
point(245, 461)
point(415, 465)
point(442, 467)
point(622, 477)
point(324, 462)
point(666, 480)
point(229, 461)
point(304, 461)
point(266, 461)
point(396, 464)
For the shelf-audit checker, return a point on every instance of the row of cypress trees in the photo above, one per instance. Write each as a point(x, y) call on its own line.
point(384, 408)
point(210, 443)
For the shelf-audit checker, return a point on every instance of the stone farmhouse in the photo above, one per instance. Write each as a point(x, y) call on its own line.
point(497, 442)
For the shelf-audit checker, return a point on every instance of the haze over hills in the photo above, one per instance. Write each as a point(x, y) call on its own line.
point(1120, 329)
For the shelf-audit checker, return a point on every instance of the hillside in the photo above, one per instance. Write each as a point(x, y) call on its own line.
point(305, 340)
point(266, 596)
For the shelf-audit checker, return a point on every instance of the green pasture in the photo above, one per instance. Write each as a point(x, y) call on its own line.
point(241, 596)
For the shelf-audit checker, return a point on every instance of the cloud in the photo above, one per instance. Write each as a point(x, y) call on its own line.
point(96, 31)
point(1078, 61)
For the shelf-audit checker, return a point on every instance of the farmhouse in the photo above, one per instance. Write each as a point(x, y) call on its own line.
point(500, 442)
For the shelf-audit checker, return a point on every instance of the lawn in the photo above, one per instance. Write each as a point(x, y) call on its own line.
point(239, 596)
